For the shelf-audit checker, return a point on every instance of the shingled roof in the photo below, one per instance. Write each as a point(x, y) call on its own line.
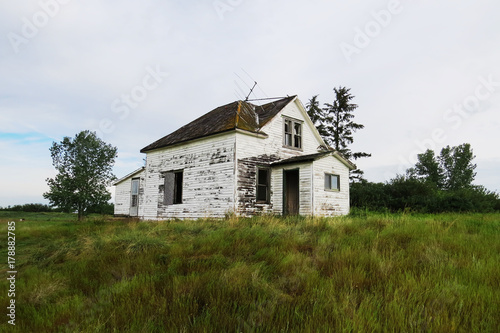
point(237, 115)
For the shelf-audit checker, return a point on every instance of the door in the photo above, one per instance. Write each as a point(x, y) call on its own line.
point(134, 198)
point(291, 192)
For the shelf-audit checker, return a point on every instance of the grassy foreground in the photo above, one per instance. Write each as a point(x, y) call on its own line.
point(375, 273)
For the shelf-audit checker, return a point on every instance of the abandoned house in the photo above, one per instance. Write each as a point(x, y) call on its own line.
point(241, 159)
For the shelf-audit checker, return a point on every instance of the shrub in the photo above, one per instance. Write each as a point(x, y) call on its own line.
point(31, 207)
point(406, 193)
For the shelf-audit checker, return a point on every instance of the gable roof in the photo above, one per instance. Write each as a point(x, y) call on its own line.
point(237, 115)
point(133, 173)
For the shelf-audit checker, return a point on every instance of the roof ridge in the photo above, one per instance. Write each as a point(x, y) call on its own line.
point(235, 115)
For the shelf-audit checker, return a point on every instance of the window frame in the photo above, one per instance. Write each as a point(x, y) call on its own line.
point(134, 197)
point(327, 174)
point(291, 123)
point(178, 196)
point(174, 192)
point(267, 185)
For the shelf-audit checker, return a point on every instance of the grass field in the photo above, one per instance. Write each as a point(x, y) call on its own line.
point(370, 273)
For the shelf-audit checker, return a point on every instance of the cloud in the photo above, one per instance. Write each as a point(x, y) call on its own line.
point(67, 77)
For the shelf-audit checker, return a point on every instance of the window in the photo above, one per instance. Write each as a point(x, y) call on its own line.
point(332, 182)
point(293, 133)
point(134, 192)
point(263, 185)
point(173, 188)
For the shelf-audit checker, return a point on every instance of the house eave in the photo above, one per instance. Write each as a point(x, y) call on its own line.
point(133, 173)
point(345, 161)
point(226, 132)
point(313, 157)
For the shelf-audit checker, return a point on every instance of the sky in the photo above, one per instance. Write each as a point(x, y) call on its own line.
point(425, 74)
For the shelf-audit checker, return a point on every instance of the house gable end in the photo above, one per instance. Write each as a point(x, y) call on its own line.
point(295, 112)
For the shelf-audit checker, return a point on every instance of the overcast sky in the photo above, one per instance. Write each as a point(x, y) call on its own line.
point(425, 74)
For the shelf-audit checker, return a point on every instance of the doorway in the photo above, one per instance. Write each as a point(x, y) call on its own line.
point(291, 192)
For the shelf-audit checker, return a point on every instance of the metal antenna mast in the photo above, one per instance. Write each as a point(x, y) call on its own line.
point(254, 84)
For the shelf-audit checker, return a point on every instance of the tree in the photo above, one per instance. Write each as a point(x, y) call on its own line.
point(428, 169)
point(84, 165)
point(317, 115)
point(457, 165)
point(335, 124)
point(452, 170)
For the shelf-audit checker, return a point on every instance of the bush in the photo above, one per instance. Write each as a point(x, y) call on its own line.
point(406, 193)
point(106, 209)
point(31, 207)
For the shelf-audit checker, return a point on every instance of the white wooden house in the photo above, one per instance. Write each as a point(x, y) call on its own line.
point(242, 159)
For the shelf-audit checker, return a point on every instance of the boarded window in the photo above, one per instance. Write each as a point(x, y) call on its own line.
point(263, 185)
point(173, 188)
point(292, 133)
point(332, 182)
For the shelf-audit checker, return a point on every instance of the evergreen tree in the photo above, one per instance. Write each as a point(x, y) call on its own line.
point(317, 115)
point(335, 124)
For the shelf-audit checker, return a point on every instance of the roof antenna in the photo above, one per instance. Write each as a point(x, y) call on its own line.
point(254, 84)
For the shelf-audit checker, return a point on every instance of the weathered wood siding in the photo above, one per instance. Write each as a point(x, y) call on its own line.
point(208, 178)
point(246, 186)
point(327, 202)
point(305, 187)
point(252, 151)
point(122, 194)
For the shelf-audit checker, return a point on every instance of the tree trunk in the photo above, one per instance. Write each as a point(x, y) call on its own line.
point(80, 213)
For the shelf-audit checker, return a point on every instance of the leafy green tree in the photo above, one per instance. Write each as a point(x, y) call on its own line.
point(336, 125)
point(458, 167)
point(428, 168)
point(84, 165)
point(451, 170)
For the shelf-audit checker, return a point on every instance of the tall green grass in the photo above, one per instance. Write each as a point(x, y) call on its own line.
point(370, 273)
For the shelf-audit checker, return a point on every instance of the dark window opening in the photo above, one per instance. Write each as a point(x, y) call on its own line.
point(173, 188)
point(178, 188)
point(263, 185)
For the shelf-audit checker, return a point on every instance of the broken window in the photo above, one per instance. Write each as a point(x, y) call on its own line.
point(297, 128)
point(173, 188)
point(263, 180)
point(293, 133)
point(332, 182)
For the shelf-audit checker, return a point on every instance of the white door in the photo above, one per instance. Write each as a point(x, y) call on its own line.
point(134, 198)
